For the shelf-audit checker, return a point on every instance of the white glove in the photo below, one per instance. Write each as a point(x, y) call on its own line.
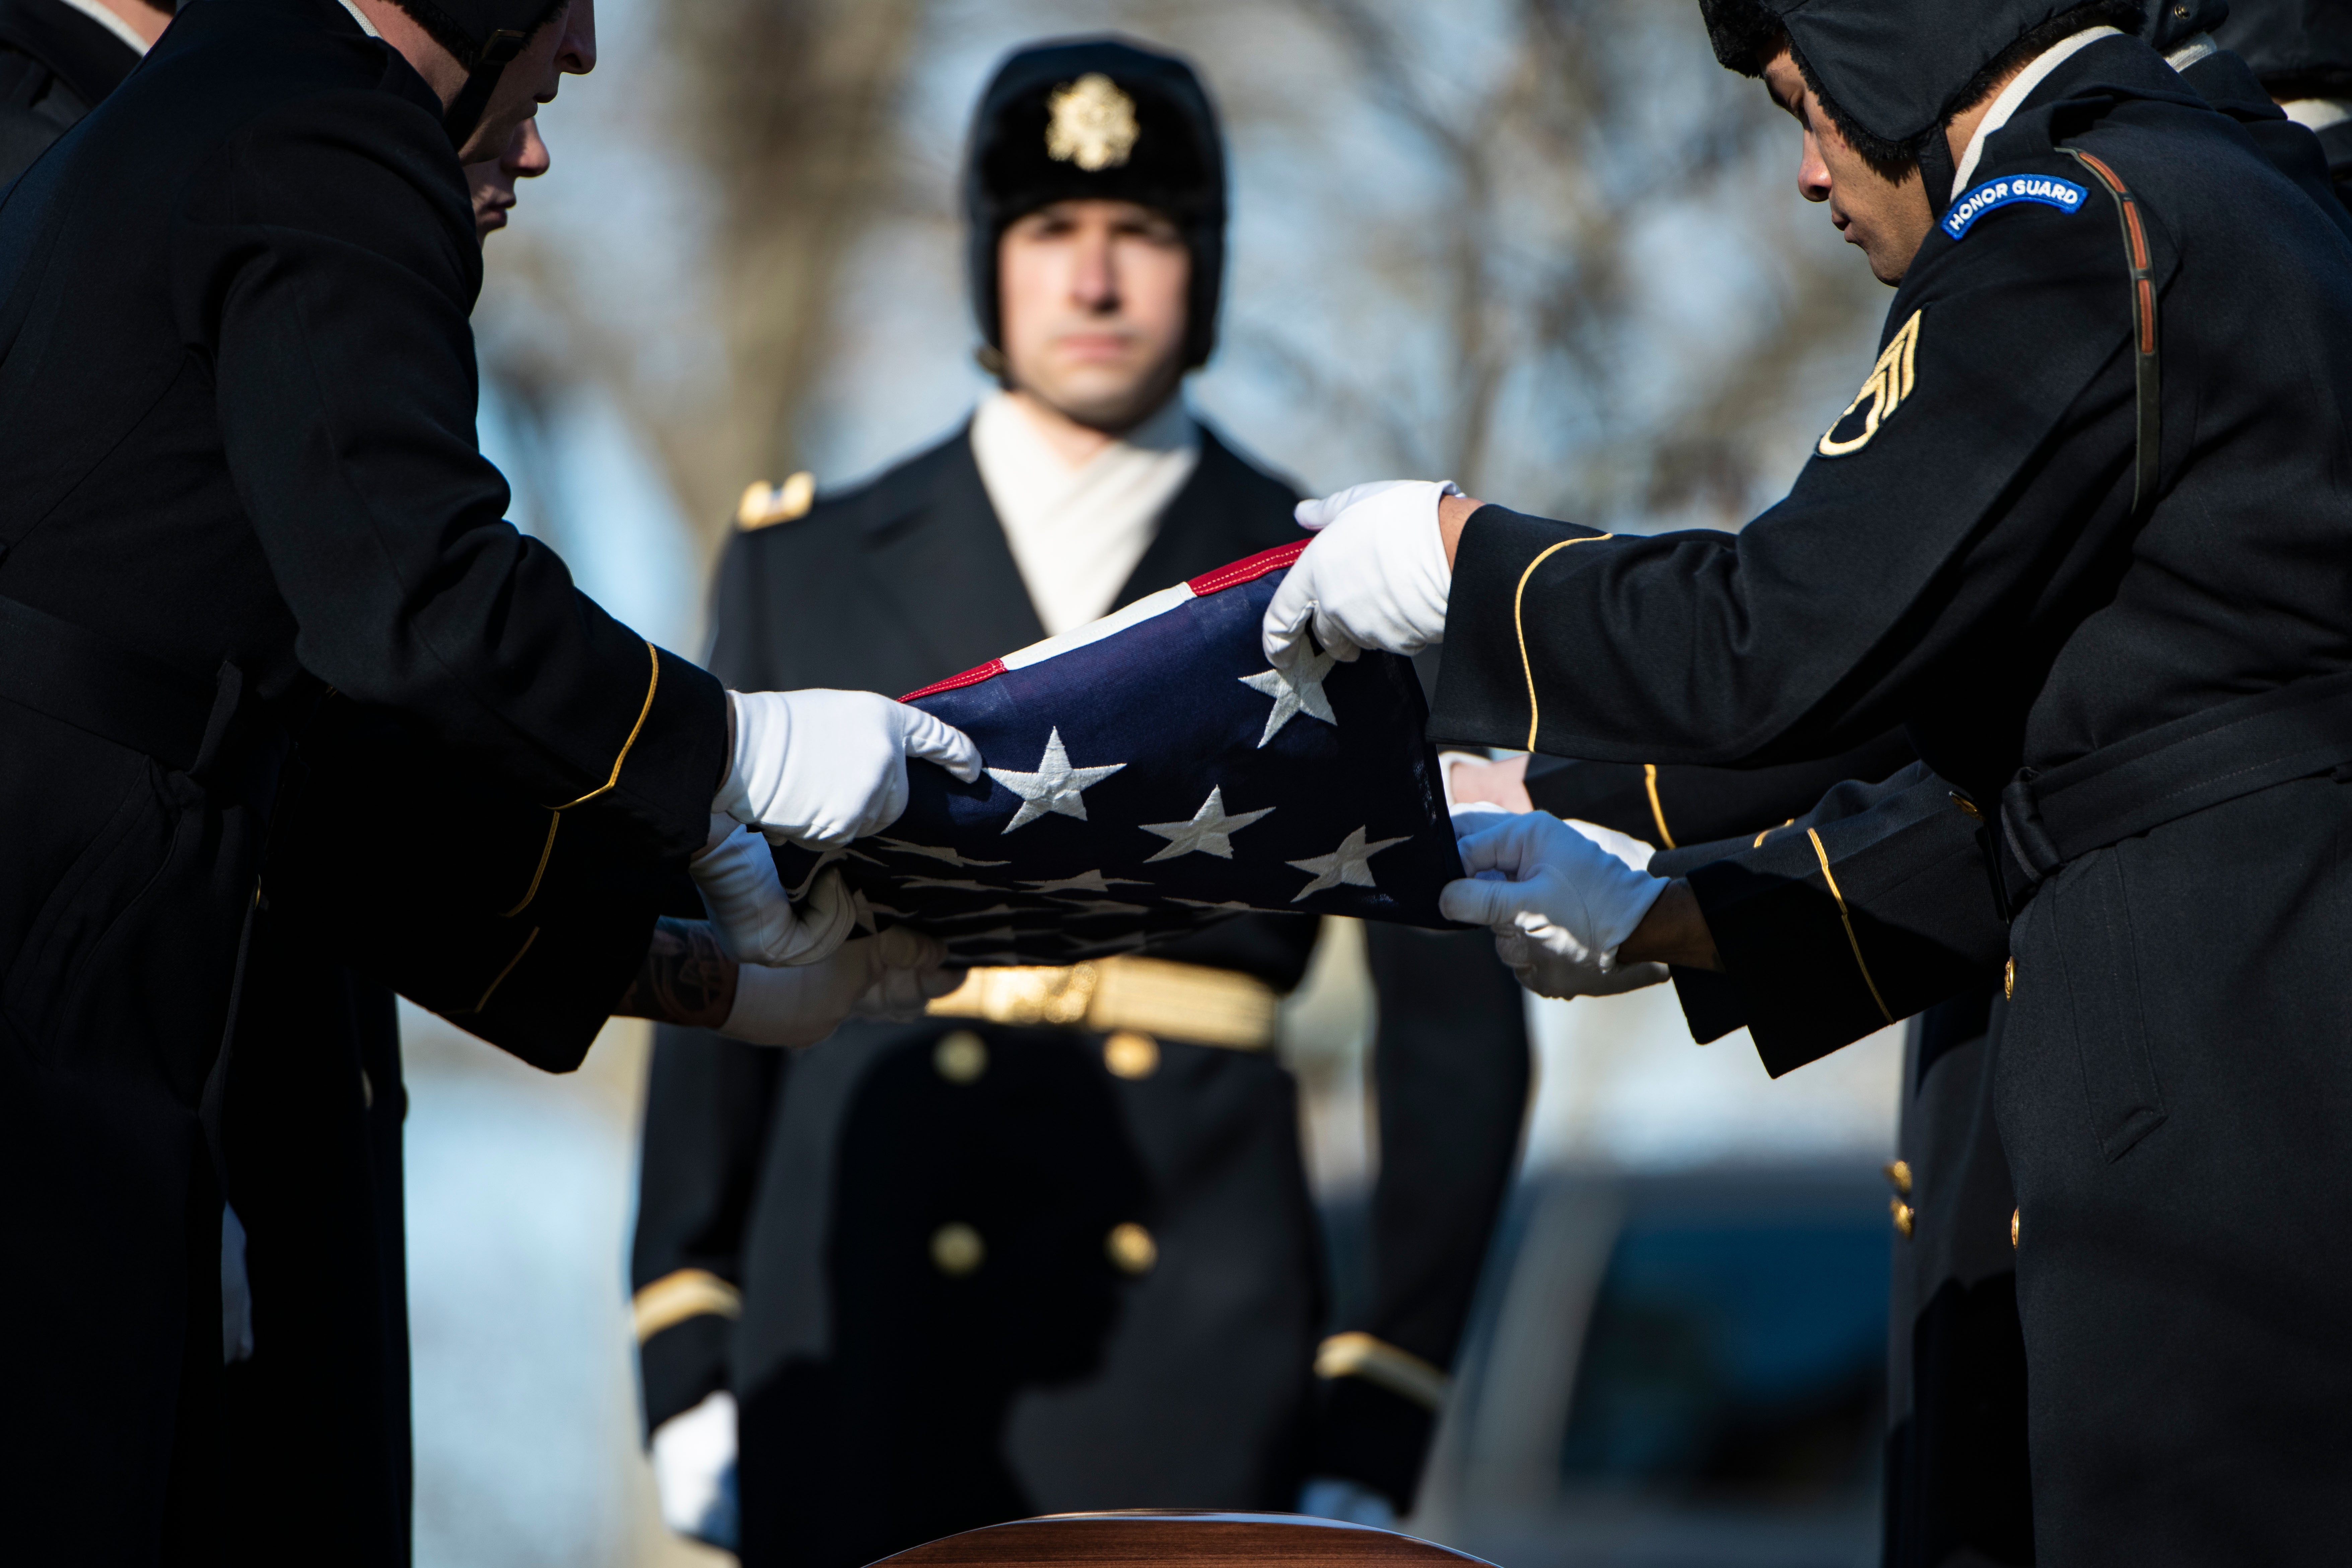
point(1352, 1502)
point(889, 976)
point(756, 924)
point(820, 769)
point(1375, 577)
point(912, 972)
point(1559, 897)
point(694, 1471)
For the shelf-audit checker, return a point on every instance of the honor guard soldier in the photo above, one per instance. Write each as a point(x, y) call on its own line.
point(1047, 1253)
point(237, 471)
point(1956, 1469)
point(2076, 534)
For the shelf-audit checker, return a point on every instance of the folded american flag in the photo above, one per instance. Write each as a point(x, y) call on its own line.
point(1148, 775)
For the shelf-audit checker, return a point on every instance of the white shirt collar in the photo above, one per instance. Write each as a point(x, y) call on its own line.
point(112, 23)
point(2318, 113)
point(2197, 49)
point(2013, 96)
point(361, 18)
point(1078, 534)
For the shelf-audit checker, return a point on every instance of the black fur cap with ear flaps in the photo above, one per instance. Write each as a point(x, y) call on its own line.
point(1150, 137)
point(1889, 72)
point(2300, 49)
point(484, 35)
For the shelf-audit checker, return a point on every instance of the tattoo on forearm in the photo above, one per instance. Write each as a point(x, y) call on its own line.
point(687, 976)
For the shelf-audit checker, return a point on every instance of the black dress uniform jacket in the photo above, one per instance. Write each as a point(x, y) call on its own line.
point(236, 466)
point(884, 1402)
point(1966, 557)
point(54, 65)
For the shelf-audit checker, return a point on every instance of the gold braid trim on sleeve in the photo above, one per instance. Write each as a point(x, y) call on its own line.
point(1657, 807)
point(643, 713)
point(510, 969)
point(676, 1297)
point(546, 854)
point(1357, 1354)
point(1847, 921)
point(1519, 623)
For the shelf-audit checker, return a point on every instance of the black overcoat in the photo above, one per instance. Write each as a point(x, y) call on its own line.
point(1964, 557)
point(236, 468)
point(883, 1403)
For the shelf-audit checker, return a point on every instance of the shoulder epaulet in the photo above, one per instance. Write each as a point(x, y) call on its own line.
point(764, 505)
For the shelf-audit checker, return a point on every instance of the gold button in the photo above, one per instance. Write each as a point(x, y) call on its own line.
point(1131, 1055)
point(1904, 1218)
point(957, 1249)
point(1966, 805)
point(1131, 1247)
point(2012, 1230)
point(1899, 1177)
point(2009, 978)
point(962, 1056)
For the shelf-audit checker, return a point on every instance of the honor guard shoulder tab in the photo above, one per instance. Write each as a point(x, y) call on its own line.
point(765, 504)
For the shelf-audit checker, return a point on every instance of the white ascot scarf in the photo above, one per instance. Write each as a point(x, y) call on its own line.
point(1077, 534)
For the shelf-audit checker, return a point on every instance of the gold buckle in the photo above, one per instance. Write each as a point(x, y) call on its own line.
point(1153, 996)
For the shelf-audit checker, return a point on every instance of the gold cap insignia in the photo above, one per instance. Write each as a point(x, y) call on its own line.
point(1889, 383)
point(765, 504)
point(1093, 124)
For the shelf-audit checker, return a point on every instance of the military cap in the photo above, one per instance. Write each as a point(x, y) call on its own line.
point(1097, 119)
point(1891, 72)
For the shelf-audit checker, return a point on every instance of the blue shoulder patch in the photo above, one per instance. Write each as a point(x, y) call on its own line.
point(2047, 189)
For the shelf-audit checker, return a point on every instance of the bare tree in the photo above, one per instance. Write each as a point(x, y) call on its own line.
point(782, 109)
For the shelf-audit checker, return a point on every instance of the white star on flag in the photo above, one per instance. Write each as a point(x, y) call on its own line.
point(1056, 787)
point(1211, 832)
point(1295, 691)
point(1085, 881)
point(1351, 863)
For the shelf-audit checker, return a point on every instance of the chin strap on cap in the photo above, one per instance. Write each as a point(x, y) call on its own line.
point(497, 51)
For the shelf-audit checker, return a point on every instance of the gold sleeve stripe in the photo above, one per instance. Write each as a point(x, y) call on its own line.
point(1658, 810)
point(546, 854)
point(1357, 1354)
point(1768, 833)
point(687, 1293)
point(1847, 921)
point(636, 729)
point(510, 969)
point(1519, 623)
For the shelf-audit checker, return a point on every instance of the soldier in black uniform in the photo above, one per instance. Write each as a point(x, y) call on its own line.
point(1034, 1256)
point(1957, 1468)
point(2023, 570)
point(237, 465)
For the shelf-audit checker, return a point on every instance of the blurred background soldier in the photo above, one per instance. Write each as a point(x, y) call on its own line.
point(58, 59)
point(984, 1267)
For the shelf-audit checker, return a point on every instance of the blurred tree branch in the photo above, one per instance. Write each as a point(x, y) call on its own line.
point(789, 105)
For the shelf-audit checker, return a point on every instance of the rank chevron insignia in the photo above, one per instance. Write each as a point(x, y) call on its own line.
point(1888, 385)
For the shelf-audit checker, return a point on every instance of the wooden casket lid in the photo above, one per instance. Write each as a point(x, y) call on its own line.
point(1170, 1535)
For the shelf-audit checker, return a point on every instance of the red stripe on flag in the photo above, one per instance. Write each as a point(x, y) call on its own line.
point(1247, 571)
point(988, 672)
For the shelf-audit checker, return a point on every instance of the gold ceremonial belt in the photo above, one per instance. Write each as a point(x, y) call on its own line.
point(1152, 996)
